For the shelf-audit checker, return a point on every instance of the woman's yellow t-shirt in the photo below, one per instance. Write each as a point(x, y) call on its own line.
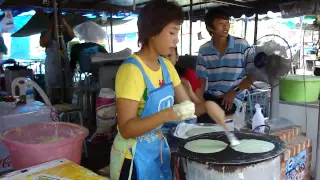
point(130, 83)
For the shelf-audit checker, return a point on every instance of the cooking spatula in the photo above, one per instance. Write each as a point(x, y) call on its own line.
point(232, 138)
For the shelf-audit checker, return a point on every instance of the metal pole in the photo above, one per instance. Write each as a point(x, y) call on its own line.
point(190, 31)
point(255, 28)
point(245, 26)
point(317, 176)
point(62, 51)
point(111, 29)
point(181, 53)
point(58, 38)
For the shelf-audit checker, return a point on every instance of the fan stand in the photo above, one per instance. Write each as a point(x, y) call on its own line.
point(275, 121)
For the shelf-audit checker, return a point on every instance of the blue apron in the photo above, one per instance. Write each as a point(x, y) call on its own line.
point(151, 153)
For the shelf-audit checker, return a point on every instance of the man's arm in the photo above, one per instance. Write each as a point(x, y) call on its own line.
point(229, 97)
point(249, 67)
point(246, 83)
point(44, 38)
point(202, 73)
point(68, 30)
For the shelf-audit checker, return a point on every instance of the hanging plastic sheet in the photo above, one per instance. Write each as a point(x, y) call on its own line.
point(6, 23)
point(300, 8)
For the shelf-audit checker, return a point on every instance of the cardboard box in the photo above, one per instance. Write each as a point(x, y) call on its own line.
point(60, 169)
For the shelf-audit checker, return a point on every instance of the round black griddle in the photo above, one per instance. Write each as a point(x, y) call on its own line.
point(177, 139)
point(229, 156)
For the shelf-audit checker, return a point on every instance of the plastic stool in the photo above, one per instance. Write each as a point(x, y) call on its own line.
point(67, 110)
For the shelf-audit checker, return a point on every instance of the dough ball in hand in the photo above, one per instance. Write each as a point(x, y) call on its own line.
point(186, 110)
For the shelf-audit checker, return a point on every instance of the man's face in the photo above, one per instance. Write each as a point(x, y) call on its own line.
point(221, 27)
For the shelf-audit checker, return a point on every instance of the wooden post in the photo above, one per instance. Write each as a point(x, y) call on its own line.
point(190, 33)
point(245, 26)
point(60, 44)
point(111, 29)
point(256, 19)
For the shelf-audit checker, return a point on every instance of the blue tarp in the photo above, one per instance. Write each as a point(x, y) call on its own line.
point(20, 46)
point(290, 24)
point(131, 35)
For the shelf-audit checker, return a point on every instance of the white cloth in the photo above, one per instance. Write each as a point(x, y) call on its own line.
point(183, 128)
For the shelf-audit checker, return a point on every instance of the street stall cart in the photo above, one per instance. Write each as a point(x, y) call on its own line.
point(289, 140)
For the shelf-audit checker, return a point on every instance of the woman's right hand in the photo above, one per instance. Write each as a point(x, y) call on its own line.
point(170, 115)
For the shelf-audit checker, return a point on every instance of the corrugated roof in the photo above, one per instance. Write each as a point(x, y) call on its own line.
point(236, 7)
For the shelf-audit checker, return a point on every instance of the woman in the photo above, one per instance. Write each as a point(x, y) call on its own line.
point(53, 63)
point(146, 85)
point(191, 84)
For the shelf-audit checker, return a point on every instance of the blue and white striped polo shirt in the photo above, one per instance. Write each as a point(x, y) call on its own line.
point(223, 71)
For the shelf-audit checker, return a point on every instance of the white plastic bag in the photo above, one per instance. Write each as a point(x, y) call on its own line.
point(238, 118)
point(90, 32)
point(105, 115)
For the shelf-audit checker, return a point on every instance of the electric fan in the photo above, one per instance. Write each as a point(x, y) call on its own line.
point(270, 59)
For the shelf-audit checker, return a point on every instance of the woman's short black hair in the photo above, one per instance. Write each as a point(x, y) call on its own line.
point(213, 14)
point(154, 16)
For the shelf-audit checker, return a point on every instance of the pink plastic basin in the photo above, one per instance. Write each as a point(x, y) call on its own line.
point(42, 142)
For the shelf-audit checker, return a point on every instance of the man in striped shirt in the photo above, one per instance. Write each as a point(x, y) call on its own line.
point(221, 62)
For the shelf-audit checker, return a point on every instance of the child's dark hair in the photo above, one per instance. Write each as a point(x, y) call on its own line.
point(213, 14)
point(154, 16)
point(179, 68)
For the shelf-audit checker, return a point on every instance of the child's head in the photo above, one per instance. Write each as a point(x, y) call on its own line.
point(158, 26)
point(173, 56)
